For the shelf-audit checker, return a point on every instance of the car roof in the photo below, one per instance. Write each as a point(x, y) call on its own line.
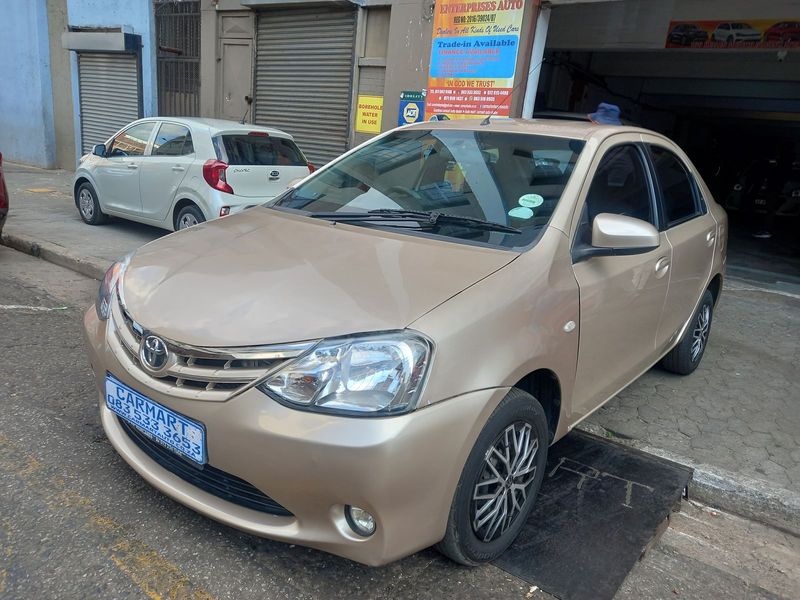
point(216, 126)
point(582, 130)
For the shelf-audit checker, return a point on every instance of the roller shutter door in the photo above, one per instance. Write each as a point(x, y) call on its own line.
point(110, 95)
point(303, 76)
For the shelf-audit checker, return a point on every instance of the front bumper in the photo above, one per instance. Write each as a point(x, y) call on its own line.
point(403, 470)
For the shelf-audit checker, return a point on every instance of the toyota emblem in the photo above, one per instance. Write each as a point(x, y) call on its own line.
point(153, 353)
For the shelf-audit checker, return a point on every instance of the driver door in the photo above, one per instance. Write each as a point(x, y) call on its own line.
point(117, 175)
point(622, 296)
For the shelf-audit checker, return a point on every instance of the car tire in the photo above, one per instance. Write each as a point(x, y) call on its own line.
point(189, 216)
point(521, 416)
point(88, 205)
point(686, 356)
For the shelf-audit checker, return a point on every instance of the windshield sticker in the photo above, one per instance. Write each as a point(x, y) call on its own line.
point(520, 212)
point(531, 200)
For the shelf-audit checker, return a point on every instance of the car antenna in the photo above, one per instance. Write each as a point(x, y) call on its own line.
point(249, 101)
point(487, 120)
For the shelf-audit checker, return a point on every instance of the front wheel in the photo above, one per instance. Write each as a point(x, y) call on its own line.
point(685, 357)
point(88, 205)
point(499, 483)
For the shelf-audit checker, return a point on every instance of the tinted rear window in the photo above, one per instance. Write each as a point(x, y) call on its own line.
point(258, 150)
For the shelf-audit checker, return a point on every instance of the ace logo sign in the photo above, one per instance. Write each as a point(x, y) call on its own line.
point(412, 107)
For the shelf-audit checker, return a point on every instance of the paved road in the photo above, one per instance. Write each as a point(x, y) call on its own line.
point(76, 522)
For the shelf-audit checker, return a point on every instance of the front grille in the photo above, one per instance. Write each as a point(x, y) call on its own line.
point(207, 478)
point(199, 373)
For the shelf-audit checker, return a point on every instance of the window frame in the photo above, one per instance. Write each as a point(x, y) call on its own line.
point(576, 244)
point(148, 145)
point(153, 140)
point(700, 205)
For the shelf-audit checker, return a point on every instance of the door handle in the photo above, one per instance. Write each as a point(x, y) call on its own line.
point(132, 166)
point(711, 236)
point(178, 169)
point(662, 266)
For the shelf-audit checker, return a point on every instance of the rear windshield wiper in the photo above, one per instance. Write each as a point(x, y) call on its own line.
point(424, 219)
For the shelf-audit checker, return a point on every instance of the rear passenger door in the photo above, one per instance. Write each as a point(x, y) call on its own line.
point(162, 173)
point(691, 231)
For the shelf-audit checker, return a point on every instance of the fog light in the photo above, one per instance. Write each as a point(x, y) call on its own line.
point(360, 520)
point(224, 211)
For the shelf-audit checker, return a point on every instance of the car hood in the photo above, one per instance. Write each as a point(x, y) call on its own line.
point(266, 276)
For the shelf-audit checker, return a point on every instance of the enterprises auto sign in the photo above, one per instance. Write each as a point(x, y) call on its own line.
point(473, 58)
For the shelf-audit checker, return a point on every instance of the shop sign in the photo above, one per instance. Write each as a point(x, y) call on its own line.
point(473, 58)
point(753, 33)
point(412, 108)
point(369, 114)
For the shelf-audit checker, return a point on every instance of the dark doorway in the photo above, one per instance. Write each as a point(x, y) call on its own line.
point(178, 57)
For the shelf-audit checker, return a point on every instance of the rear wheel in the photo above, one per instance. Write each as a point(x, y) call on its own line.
point(189, 216)
point(686, 356)
point(499, 483)
point(88, 205)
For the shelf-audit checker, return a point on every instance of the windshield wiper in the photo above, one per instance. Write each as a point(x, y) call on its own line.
point(424, 219)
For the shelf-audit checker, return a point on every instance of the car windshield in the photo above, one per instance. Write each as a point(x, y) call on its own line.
point(740, 26)
point(494, 188)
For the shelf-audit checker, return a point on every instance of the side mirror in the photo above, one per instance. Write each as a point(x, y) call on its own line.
point(618, 235)
point(99, 150)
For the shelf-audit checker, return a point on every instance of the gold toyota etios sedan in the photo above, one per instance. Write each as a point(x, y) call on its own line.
point(378, 360)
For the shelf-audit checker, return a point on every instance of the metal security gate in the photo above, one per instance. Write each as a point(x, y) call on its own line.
point(303, 76)
point(110, 95)
point(178, 58)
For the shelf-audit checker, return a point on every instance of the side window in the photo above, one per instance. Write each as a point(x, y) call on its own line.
point(620, 187)
point(172, 140)
point(132, 141)
point(677, 191)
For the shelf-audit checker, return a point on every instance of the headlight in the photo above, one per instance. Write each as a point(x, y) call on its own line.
point(371, 375)
point(110, 281)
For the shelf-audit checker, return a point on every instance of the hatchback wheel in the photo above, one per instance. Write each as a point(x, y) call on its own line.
point(189, 216)
point(499, 483)
point(684, 358)
point(88, 205)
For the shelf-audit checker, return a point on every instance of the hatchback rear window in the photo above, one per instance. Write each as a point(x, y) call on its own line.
point(249, 149)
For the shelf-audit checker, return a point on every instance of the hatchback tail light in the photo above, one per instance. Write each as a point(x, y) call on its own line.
point(311, 168)
point(214, 174)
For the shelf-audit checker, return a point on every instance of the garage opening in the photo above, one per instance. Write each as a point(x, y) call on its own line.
point(734, 110)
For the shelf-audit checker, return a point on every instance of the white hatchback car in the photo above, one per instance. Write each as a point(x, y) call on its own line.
point(177, 172)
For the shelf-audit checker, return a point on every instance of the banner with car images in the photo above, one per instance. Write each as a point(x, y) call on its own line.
point(758, 33)
point(473, 58)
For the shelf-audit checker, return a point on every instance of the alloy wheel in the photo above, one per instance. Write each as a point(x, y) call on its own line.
point(509, 468)
point(86, 204)
point(700, 333)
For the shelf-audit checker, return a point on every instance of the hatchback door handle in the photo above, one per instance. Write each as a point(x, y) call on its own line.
point(662, 266)
point(178, 169)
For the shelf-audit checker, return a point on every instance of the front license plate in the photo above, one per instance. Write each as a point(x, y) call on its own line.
point(172, 430)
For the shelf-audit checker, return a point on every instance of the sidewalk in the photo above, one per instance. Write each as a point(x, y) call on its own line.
point(736, 419)
point(43, 221)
